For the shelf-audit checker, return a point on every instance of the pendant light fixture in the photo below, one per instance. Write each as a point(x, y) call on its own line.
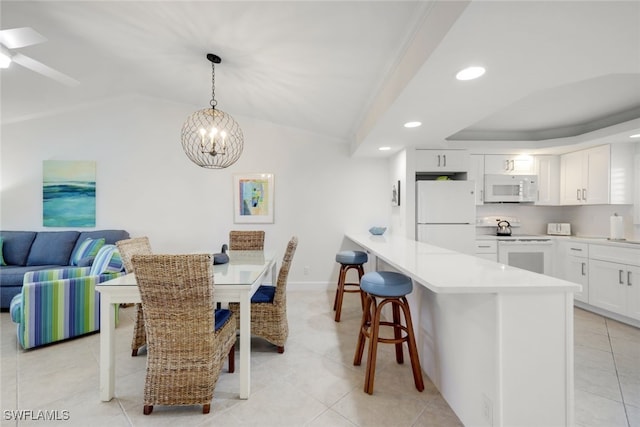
point(211, 138)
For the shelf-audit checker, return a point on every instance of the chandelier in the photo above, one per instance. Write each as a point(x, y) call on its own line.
point(211, 138)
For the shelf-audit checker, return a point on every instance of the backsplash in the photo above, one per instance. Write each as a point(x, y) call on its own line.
point(587, 221)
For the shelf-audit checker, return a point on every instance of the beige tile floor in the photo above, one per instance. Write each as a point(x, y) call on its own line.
point(314, 383)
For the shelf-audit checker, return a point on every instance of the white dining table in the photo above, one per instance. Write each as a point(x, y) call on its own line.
point(235, 281)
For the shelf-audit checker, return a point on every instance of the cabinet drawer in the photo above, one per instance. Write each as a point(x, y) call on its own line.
point(486, 246)
point(577, 249)
point(615, 254)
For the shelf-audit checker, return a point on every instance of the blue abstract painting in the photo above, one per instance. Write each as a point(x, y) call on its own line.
point(68, 193)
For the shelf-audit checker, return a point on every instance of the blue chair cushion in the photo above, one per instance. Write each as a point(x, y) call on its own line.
point(222, 315)
point(386, 284)
point(352, 257)
point(264, 294)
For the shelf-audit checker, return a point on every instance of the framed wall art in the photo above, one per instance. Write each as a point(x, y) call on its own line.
point(395, 194)
point(253, 198)
point(68, 193)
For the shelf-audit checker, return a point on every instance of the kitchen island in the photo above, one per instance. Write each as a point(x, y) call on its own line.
point(497, 341)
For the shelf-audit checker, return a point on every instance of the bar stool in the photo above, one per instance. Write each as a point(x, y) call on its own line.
point(348, 260)
point(390, 287)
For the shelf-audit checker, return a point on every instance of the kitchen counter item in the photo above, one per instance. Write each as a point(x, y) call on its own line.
point(559, 229)
point(377, 231)
point(504, 228)
point(616, 228)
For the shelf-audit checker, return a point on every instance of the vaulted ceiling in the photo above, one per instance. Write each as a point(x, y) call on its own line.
point(558, 72)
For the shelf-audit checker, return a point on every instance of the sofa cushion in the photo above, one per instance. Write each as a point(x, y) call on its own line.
point(108, 260)
point(110, 236)
point(16, 245)
point(52, 247)
point(88, 248)
point(1, 256)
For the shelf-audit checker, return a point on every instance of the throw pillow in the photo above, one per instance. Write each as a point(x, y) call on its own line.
point(2, 262)
point(108, 260)
point(88, 248)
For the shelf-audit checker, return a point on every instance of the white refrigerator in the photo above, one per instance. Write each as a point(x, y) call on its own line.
point(446, 214)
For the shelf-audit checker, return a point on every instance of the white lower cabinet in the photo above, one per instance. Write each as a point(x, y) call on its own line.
point(487, 249)
point(615, 286)
point(574, 266)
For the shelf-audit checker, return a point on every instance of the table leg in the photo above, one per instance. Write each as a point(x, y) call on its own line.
point(245, 344)
point(107, 348)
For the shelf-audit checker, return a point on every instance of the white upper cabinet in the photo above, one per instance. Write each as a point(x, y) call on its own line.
point(509, 164)
point(598, 175)
point(476, 173)
point(548, 171)
point(442, 160)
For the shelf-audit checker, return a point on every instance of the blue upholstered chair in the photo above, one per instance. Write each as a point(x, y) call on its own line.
point(62, 303)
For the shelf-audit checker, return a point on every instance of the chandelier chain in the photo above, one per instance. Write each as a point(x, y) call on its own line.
point(213, 101)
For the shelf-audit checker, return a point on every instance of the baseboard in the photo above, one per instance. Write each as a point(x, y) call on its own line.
point(607, 313)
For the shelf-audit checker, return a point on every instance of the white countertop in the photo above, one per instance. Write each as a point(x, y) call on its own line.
point(444, 271)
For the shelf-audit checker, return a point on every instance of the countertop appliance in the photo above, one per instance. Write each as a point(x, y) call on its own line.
point(504, 228)
point(445, 214)
point(559, 229)
point(510, 188)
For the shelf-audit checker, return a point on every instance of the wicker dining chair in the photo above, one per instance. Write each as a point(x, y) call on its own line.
point(187, 341)
point(128, 248)
point(269, 305)
point(250, 240)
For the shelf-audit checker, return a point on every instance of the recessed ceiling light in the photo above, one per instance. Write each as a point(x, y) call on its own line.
point(470, 73)
point(412, 124)
point(384, 148)
point(637, 135)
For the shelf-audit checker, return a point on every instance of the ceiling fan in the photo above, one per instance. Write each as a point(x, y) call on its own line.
point(16, 38)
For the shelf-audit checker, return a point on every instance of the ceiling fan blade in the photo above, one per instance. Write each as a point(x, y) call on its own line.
point(20, 37)
point(40, 68)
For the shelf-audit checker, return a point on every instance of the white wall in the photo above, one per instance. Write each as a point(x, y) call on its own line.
point(146, 184)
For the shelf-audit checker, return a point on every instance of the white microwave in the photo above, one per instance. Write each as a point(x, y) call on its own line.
point(510, 188)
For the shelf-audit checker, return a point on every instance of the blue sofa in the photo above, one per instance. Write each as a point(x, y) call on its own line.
point(24, 251)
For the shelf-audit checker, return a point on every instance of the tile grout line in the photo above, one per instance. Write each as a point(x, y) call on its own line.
point(615, 366)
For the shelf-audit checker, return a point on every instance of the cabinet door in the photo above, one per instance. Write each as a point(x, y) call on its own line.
point(548, 168)
point(509, 164)
point(576, 271)
point(607, 285)
point(476, 173)
point(442, 161)
point(633, 292)
point(597, 175)
point(571, 178)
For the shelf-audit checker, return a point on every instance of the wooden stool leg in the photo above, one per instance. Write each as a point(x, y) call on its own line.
point(360, 274)
point(373, 348)
point(340, 291)
point(413, 349)
point(397, 331)
point(364, 324)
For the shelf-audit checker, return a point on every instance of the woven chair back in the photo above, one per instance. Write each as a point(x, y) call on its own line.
point(177, 299)
point(130, 247)
point(283, 274)
point(251, 240)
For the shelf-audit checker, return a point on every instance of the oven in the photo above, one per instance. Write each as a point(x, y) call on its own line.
point(533, 254)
